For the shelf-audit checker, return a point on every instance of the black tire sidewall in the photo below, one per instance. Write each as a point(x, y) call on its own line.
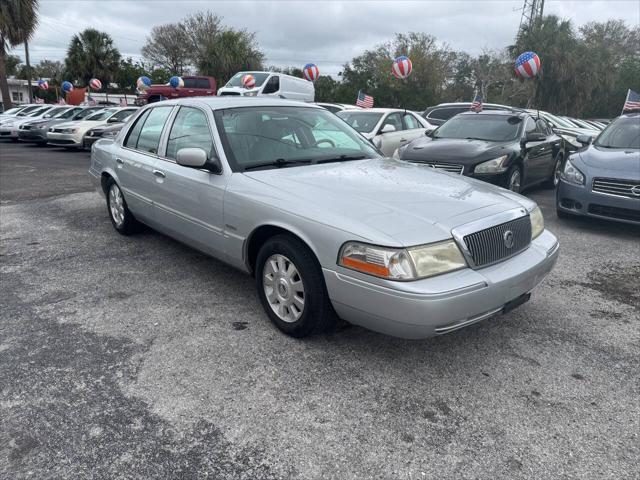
point(317, 312)
point(507, 180)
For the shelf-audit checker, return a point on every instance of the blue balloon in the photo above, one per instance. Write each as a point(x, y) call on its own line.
point(176, 82)
point(67, 86)
point(143, 83)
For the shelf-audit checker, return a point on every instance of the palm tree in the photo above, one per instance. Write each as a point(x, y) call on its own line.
point(18, 20)
point(91, 53)
point(230, 51)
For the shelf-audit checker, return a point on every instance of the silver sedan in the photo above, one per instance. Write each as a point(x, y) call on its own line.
point(294, 196)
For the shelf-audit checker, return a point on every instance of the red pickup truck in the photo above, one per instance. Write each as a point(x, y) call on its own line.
point(193, 87)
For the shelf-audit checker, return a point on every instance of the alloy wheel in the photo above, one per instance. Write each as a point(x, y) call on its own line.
point(283, 288)
point(116, 205)
point(514, 181)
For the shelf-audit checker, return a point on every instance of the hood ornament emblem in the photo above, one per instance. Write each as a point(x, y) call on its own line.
point(508, 239)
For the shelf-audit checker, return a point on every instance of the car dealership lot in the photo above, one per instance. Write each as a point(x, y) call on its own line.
point(139, 357)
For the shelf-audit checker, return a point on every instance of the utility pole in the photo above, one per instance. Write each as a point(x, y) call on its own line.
point(26, 56)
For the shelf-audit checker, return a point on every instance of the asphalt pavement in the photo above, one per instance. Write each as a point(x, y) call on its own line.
point(138, 357)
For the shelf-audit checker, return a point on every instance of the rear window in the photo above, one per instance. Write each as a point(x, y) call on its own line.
point(202, 83)
point(190, 82)
point(445, 113)
point(492, 128)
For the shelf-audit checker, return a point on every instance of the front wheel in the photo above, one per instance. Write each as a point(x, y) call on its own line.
point(555, 177)
point(514, 179)
point(291, 287)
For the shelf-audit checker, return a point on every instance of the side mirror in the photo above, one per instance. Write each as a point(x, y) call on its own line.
point(388, 128)
point(429, 133)
point(584, 139)
point(535, 137)
point(197, 158)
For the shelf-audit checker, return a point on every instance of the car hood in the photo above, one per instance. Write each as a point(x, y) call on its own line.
point(81, 124)
point(454, 150)
point(623, 163)
point(385, 201)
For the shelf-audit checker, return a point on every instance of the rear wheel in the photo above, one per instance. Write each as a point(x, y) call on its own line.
point(555, 177)
point(121, 217)
point(291, 287)
point(514, 179)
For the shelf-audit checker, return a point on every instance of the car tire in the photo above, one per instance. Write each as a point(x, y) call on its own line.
point(121, 217)
point(555, 176)
point(513, 179)
point(291, 288)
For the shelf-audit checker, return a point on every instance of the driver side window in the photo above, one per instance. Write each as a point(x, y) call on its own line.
point(273, 85)
point(394, 119)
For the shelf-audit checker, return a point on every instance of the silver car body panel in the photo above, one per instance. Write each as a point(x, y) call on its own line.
point(379, 201)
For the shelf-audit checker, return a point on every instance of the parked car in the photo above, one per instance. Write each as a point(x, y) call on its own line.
point(387, 128)
point(71, 134)
point(393, 246)
point(336, 107)
point(583, 123)
point(568, 131)
point(103, 131)
point(507, 148)
point(25, 128)
point(193, 87)
point(439, 114)
point(36, 131)
point(9, 127)
point(270, 84)
point(603, 179)
point(15, 111)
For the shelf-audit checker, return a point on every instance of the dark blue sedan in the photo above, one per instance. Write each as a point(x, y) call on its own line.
point(603, 178)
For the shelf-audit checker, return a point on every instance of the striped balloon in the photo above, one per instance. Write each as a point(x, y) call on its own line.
point(401, 67)
point(248, 81)
point(176, 82)
point(43, 84)
point(95, 84)
point(67, 86)
point(311, 72)
point(143, 83)
point(527, 65)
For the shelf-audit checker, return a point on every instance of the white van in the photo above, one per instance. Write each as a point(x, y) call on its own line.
point(271, 84)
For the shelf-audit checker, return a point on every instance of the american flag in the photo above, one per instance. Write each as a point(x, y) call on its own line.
point(632, 102)
point(91, 102)
point(39, 100)
point(364, 100)
point(476, 105)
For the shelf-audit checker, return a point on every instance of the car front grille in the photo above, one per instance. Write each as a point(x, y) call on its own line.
point(447, 167)
point(224, 94)
point(495, 243)
point(617, 187)
point(615, 212)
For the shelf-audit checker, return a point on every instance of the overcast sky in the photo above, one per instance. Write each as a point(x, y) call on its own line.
point(328, 33)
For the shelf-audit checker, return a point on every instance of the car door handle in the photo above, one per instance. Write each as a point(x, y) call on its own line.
point(159, 173)
point(119, 161)
point(191, 91)
point(402, 140)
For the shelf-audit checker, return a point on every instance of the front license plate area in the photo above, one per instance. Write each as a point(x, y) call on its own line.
point(515, 303)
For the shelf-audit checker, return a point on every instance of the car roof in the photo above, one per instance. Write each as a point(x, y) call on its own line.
point(460, 104)
point(233, 101)
point(377, 110)
point(504, 113)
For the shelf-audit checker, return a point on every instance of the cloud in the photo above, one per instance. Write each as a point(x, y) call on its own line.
point(329, 33)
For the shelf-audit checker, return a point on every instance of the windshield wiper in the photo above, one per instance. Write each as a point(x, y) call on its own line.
point(342, 158)
point(476, 138)
point(279, 163)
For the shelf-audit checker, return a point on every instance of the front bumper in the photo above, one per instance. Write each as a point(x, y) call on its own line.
point(64, 139)
point(579, 200)
point(33, 135)
point(441, 304)
point(8, 132)
point(88, 141)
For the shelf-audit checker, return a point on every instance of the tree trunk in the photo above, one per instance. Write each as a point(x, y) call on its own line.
point(26, 55)
point(4, 85)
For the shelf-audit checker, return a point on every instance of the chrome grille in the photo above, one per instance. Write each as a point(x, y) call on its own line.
point(617, 187)
point(489, 246)
point(447, 167)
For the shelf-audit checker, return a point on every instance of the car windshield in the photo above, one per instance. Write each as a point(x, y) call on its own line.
point(38, 112)
point(621, 133)
point(70, 113)
point(273, 137)
point(55, 112)
point(236, 80)
point(103, 115)
point(492, 128)
point(11, 111)
point(28, 110)
point(364, 122)
point(557, 121)
point(85, 112)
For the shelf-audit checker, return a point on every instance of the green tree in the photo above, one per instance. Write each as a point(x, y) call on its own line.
point(12, 64)
point(128, 73)
point(18, 21)
point(169, 47)
point(51, 69)
point(91, 54)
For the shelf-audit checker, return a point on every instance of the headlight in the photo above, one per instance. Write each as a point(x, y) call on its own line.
point(497, 165)
point(537, 222)
point(571, 174)
point(250, 94)
point(110, 134)
point(402, 263)
point(8, 124)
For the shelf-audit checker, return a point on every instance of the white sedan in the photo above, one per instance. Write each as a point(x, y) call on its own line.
point(387, 128)
point(9, 125)
point(70, 134)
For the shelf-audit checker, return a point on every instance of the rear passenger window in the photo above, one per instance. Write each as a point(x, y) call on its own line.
point(134, 133)
point(202, 83)
point(190, 82)
point(410, 121)
point(190, 129)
